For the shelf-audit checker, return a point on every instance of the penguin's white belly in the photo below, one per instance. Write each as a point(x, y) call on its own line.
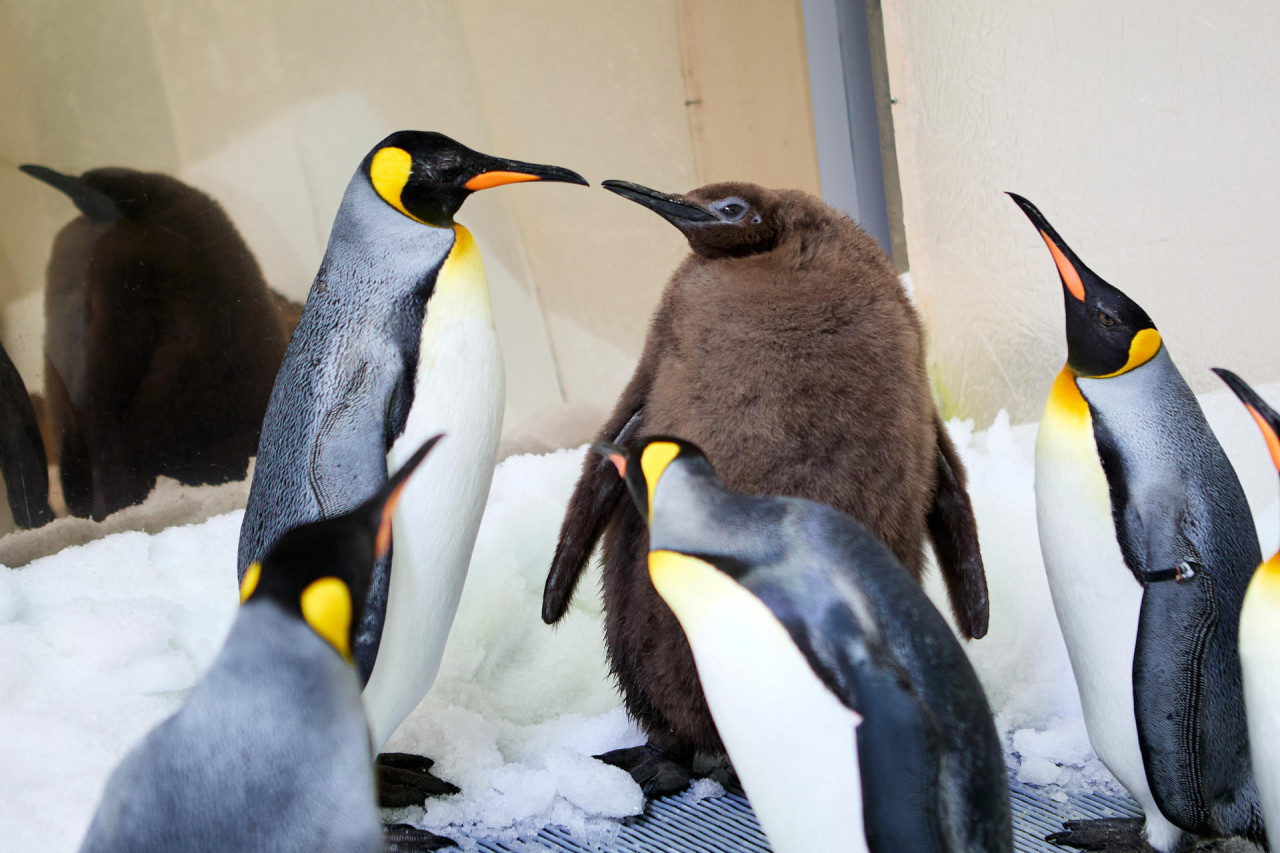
point(792, 743)
point(1097, 599)
point(1260, 661)
point(459, 391)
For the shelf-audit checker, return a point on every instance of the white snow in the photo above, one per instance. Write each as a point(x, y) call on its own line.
point(99, 643)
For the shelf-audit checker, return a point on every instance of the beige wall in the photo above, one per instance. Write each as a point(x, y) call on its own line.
point(268, 105)
point(1144, 130)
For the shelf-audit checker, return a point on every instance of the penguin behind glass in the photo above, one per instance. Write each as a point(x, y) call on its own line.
point(784, 347)
point(270, 751)
point(1260, 636)
point(396, 341)
point(1148, 543)
point(161, 339)
point(850, 713)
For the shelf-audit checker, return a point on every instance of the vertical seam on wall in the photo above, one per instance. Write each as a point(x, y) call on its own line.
point(692, 96)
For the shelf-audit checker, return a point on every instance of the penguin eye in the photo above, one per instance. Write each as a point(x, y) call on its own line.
point(1106, 319)
point(732, 209)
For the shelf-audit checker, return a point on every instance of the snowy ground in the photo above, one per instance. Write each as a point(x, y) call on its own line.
point(100, 642)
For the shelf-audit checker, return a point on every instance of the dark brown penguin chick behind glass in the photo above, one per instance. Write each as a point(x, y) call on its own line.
point(162, 339)
point(785, 347)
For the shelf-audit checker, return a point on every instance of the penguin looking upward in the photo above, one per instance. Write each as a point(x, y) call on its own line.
point(784, 347)
point(1148, 544)
point(1260, 636)
point(396, 341)
point(161, 339)
point(270, 751)
point(851, 714)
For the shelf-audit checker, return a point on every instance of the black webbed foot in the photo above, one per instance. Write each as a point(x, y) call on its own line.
point(407, 780)
point(403, 838)
point(657, 773)
point(1114, 835)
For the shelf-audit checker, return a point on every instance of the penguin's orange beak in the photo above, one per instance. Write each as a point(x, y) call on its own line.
point(497, 172)
point(1263, 415)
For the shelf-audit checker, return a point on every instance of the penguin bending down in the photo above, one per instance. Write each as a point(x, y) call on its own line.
point(1260, 637)
point(161, 339)
point(851, 714)
point(1148, 544)
point(270, 751)
point(22, 458)
point(396, 341)
point(785, 347)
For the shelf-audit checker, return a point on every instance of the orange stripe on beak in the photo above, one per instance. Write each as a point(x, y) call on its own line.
point(1273, 441)
point(486, 180)
point(1065, 269)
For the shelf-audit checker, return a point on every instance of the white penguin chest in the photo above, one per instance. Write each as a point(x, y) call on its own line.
point(1260, 662)
point(1095, 596)
point(459, 390)
point(793, 744)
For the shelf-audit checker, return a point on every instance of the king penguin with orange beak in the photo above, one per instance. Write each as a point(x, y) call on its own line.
point(396, 343)
point(1148, 544)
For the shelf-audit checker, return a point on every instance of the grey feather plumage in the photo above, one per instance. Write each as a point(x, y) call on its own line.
point(346, 385)
point(270, 752)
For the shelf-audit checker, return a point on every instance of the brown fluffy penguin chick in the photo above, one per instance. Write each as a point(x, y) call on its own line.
point(785, 347)
point(162, 339)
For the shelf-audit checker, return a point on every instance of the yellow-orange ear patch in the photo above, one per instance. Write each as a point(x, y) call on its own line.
point(654, 461)
point(1142, 349)
point(389, 173)
point(250, 580)
point(1065, 269)
point(326, 605)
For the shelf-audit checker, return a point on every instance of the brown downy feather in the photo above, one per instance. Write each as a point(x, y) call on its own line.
point(788, 351)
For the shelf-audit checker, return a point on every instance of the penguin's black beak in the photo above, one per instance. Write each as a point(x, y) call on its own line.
point(1068, 264)
point(1264, 416)
point(496, 171)
point(677, 210)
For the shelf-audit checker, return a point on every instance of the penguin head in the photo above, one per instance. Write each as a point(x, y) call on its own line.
point(1108, 334)
point(427, 176)
point(643, 462)
point(719, 220)
point(1264, 416)
point(321, 571)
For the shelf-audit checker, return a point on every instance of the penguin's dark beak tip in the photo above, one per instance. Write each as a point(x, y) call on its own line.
point(680, 212)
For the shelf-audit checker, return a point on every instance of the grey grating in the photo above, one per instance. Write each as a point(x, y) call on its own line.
point(727, 825)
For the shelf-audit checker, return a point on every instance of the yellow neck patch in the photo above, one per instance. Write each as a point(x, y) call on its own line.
point(1066, 405)
point(250, 580)
point(1142, 349)
point(690, 587)
point(389, 173)
point(326, 605)
point(1265, 586)
point(654, 461)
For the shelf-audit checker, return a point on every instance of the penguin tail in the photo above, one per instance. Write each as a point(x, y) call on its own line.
point(954, 532)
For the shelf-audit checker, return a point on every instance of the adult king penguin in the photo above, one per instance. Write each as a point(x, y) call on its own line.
point(851, 714)
point(270, 751)
point(784, 347)
point(396, 342)
point(1260, 637)
point(1148, 543)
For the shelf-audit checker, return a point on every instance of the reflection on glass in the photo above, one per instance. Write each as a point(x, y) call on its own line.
point(162, 340)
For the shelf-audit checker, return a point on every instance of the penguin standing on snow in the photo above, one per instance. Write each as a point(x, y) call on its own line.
point(270, 751)
point(832, 679)
point(161, 339)
point(784, 347)
point(1260, 637)
point(1148, 543)
point(396, 341)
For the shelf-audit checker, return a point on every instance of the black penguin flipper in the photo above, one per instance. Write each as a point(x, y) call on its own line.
point(1177, 623)
point(954, 532)
point(599, 493)
point(22, 456)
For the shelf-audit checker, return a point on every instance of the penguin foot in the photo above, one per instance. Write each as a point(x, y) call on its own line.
point(407, 780)
point(1113, 834)
point(403, 838)
point(657, 773)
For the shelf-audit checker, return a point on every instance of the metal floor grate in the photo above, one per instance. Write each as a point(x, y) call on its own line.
point(727, 825)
